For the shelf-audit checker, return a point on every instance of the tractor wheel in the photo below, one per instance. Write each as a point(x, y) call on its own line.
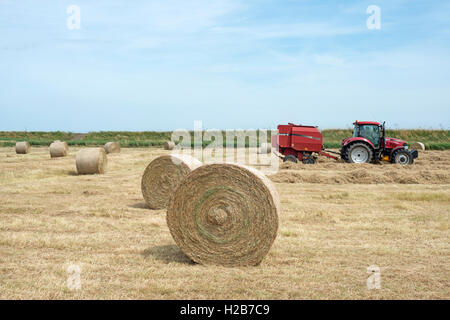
point(403, 157)
point(359, 153)
point(344, 154)
point(290, 158)
point(309, 160)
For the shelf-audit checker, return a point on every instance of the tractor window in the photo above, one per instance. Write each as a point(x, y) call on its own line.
point(370, 132)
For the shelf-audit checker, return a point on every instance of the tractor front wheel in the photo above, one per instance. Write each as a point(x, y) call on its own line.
point(403, 157)
point(359, 153)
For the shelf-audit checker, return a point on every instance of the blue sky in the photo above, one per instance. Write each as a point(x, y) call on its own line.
point(160, 65)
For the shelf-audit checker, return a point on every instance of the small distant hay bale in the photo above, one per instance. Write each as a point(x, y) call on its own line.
point(418, 146)
point(265, 148)
point(64, 143)
point(163, 175)
point(91, 161)
point(58, 149)
point(22, 147)
point(112, 147)
point(169, 145)
point(224, 214)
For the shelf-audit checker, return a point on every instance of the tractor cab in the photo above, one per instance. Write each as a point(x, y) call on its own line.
point(372, 131)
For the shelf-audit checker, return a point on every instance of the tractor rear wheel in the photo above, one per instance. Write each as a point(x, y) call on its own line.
point(290, 158)
point(359, 153)
point(403, 157)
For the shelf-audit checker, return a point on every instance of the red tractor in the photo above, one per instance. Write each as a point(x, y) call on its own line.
point(368, 144)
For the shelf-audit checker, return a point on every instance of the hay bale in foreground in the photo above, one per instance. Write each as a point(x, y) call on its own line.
point(265, 148)
point(22, 147)
point(418, 146)
point(58, 149)
point(224, 214)
point(91, 161)
point(112, 147)
point(163, 175)
point(169, 145)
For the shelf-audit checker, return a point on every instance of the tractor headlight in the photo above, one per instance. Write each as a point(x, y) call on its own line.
point(406, 147)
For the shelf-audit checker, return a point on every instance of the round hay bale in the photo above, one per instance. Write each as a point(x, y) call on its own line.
point(65, 145)
point(418, 146)
point(265, 148)
point(224, 214)
point(58, 149)
point(91, 161)
point(163, 175)
point(22, 147)
point(112, 147)
point(169, 145)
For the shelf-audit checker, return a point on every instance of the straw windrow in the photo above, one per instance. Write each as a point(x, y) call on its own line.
point(224, 214)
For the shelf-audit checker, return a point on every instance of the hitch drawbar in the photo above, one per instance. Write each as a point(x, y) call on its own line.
point(327, 154)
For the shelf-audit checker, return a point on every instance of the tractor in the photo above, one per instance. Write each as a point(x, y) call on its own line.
point(369, 143)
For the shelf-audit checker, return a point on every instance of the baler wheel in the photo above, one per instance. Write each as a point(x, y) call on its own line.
point(290, 158)
point(359, 153)
point(309, 160)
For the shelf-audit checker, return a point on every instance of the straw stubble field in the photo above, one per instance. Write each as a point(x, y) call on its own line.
point(336, 220)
